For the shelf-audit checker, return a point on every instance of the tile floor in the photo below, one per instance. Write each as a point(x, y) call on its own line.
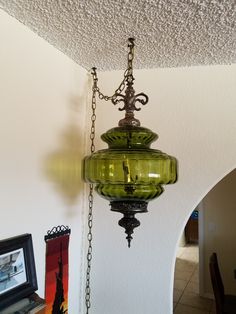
point(186, 297)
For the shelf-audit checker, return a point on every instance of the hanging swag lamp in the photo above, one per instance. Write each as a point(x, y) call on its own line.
point(129, 173)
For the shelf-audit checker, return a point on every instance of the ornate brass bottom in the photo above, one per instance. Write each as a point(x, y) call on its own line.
point(129, 209)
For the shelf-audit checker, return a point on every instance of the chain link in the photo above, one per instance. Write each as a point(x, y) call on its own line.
point(89, 252)
point(93, 116)
point(128, 76)
point(90, 199)
point(117, 91)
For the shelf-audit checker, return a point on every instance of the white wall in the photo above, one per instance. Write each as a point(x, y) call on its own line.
point(37, 83)
point(193, 111)
point(219, 216)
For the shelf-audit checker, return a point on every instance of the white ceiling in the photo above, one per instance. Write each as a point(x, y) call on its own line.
point(169, 33)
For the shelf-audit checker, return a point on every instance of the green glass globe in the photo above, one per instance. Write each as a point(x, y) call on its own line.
point(129, 173)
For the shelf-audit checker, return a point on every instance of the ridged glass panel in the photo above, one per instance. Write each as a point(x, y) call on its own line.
point(129, 169)
point(130, 192)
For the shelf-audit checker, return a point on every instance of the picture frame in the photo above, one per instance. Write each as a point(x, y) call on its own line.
point(17, 269)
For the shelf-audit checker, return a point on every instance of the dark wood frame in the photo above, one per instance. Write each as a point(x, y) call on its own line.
point(23, 241)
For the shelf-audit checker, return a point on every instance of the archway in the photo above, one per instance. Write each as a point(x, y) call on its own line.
point(217, 213)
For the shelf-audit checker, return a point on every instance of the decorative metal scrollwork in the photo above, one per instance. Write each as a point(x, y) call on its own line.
point(57, 232)
point(130, 99)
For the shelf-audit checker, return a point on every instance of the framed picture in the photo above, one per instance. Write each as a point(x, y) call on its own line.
point(17, 269)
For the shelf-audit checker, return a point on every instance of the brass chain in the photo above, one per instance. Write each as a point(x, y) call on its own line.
point(90, 248)
point(128, 75)
point(90, 200)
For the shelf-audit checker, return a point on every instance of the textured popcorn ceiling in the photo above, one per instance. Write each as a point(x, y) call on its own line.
point(169, 33)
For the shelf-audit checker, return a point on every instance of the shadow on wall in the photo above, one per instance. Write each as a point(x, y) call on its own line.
point(63, 166)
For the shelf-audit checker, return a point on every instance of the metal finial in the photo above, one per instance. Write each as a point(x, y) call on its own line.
point(129, 222)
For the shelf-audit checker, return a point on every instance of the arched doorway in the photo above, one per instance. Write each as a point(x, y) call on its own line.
point(217, 233)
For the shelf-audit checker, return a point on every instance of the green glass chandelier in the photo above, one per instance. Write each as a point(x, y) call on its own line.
point(128, 173)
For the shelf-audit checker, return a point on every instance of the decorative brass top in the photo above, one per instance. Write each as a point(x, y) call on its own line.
point(129, 100)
